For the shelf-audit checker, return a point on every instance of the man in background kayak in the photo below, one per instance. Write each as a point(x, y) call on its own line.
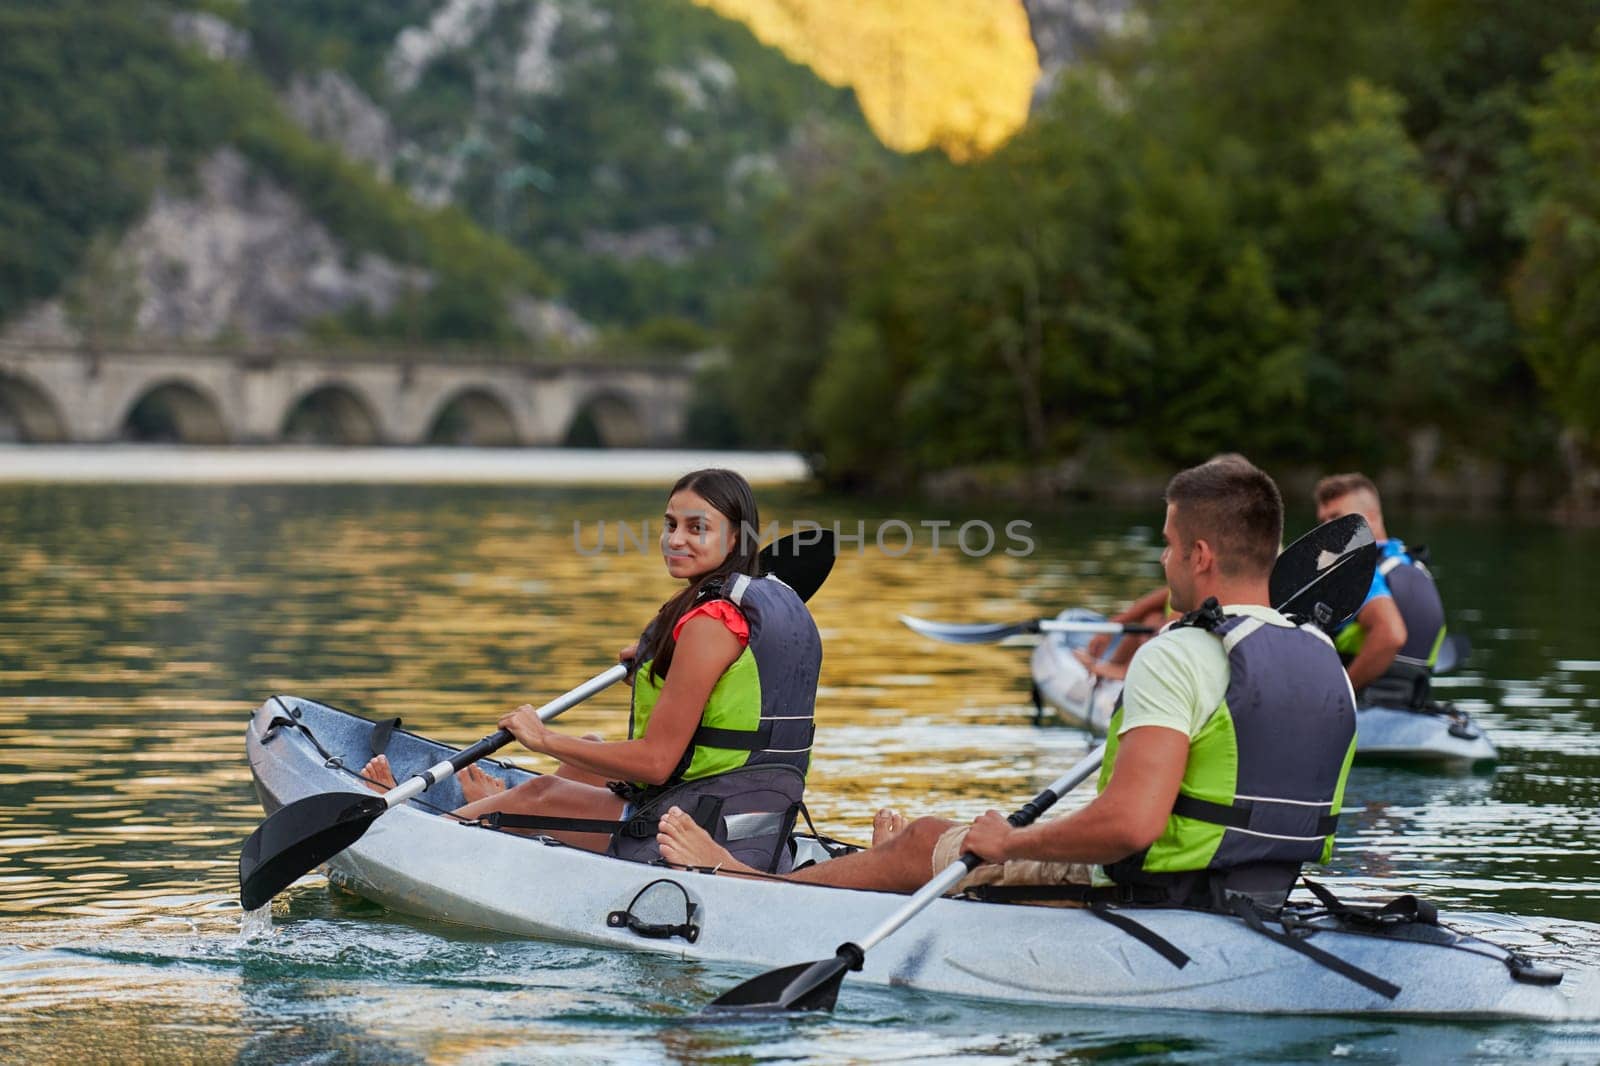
point(1227, 755)
point(1392, 644)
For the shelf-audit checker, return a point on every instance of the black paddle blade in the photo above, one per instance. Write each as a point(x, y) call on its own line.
point(805, 986)
point(1338, 592)
point(1320, 576)
point(1305, 559)
point(299, 838)
point(801, 560)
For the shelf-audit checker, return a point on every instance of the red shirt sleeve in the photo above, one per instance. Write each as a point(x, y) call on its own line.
point(722, 611)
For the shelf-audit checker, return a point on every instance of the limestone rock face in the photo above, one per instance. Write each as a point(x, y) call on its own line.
point(1064, 30)
point(551, 323)
point(214, 36)
point(330, 107)
point(242, 256)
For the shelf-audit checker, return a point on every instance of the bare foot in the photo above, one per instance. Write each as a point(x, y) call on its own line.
point(477, 785)
point(380, 778)
point(885, 824)
point(684, 843)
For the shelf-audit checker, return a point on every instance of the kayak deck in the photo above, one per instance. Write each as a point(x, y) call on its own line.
point(415, 861)
point(1065, 690)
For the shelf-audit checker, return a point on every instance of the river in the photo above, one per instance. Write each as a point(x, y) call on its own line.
point(141, 623)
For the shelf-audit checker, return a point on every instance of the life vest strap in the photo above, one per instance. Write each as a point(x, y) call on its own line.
point(733, 739)
point(1237, 814)
point(639, 827)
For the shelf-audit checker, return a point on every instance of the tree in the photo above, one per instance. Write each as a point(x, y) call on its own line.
point(1557, 286)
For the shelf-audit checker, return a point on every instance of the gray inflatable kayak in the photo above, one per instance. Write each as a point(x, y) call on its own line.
point(1064, 689)
point(416, 861)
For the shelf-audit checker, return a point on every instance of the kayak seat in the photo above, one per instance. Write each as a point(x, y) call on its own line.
point(751, 811)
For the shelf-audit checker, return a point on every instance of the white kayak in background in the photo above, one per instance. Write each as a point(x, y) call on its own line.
point(417, 861)
point(1064, 686)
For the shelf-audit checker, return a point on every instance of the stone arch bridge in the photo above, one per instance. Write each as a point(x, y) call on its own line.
point(209, 396)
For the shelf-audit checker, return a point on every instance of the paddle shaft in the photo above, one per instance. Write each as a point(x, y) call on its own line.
point(1050, 625)
point(414, 786)
point(952, 874)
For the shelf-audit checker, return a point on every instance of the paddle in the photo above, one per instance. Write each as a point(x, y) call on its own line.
point(995, 632)
point(1320, 585)
point(1320, 547)
point(301, 836)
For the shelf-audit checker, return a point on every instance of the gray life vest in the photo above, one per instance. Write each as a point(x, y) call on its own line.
point(762, 708)
point(742, 778)
point(1407, 682)
point(743, 775)
point(1264, 781)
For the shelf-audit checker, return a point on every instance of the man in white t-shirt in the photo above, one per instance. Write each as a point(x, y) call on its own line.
point(1229, 750)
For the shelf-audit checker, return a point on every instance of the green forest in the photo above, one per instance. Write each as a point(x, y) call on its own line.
point(101, 103)
point(1315, 233)
point(1328, 235)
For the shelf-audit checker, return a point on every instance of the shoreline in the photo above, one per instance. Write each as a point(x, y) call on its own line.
point(290, 464)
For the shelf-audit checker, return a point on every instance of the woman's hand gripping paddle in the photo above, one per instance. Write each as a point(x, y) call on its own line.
point(303, 835)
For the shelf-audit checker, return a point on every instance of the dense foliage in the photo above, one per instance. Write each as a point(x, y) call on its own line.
point(99, 104)
point(1293, 230)
point(633, 157)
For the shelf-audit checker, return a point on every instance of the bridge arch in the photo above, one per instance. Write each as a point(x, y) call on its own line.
point(475, 415)
point(330, 413)
point(607, 418)
point(28, 413)
point(174, 411)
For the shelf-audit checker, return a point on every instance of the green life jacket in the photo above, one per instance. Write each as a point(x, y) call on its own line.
point(1265, 775)
point(761, 709)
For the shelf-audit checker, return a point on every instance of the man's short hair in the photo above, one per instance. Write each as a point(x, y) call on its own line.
point(1338, 485)
point(1235, 507)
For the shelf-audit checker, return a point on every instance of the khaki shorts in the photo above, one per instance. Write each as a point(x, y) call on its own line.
point(1013, 872)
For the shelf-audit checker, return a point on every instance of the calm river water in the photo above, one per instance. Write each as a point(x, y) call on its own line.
point(140, 625)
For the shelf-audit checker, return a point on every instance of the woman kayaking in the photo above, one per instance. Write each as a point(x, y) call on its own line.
point(724, 687)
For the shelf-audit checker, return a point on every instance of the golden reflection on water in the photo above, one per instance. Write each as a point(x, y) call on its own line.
point(140, 626)
point(130, 658)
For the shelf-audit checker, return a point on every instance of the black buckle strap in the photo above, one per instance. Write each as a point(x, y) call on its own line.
point(688, 928)
point(1135, 895)
point(1245, 908)
point(1208, 616)
point(733, 739)
point(1143, 934)
point(506, 820)
point(833, 846)
point(1096, 899)
point(1235, 815)
point(1402, 910)
point(1410, 910)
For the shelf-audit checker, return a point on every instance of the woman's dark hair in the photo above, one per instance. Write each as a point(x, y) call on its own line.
point(730, 494)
